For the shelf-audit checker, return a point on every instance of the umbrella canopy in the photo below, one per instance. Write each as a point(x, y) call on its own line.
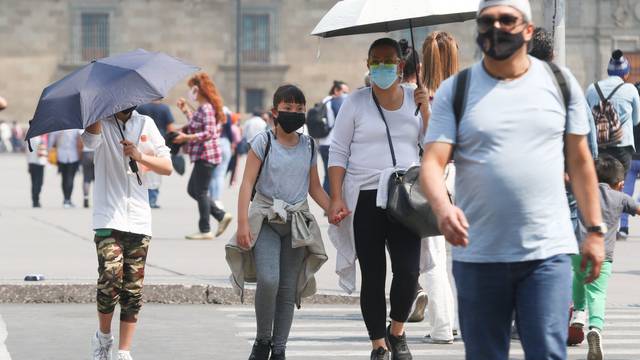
point(105, 87)
point(350, 17)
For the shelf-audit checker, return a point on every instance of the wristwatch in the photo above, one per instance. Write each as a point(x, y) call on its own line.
point(599, 229)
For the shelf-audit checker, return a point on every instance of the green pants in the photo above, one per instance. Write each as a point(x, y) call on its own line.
point(593, 295)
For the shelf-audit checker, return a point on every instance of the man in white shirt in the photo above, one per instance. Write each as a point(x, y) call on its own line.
point(122, 220)
point(253, 126)
point(68, 147)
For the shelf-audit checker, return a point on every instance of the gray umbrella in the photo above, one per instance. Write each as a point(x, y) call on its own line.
point(105, 87)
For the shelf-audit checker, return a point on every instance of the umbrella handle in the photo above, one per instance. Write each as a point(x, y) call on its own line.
point(415, 62)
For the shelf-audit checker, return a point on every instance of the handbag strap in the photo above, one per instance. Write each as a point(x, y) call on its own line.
point(393, 153)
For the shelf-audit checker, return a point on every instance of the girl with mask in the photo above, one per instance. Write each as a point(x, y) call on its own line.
point(360, 165)
point(202, 136)
point(278, 243)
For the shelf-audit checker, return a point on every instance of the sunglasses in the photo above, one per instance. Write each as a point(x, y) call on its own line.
point(507, 22)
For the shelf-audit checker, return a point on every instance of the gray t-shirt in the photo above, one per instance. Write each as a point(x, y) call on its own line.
point(613, 204)
point(285, 173)
point(510, 163)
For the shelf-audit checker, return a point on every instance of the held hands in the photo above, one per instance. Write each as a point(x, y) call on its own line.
point(338, 211)
point(131, 150)
point(454, 226)
point(593, 252)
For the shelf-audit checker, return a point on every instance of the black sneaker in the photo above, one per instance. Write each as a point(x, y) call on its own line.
point(86, 203)
point(278, 355)
point(380, 354)
point(622, 234)
point(261, 350)
point(398, 346)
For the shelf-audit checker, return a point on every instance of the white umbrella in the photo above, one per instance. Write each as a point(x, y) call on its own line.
point(350, 17)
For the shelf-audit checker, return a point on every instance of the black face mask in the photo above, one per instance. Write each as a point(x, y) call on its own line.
point(500, 45)
point(290, 121)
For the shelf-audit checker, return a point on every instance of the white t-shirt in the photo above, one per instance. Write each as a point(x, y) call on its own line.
point(360, 142)
point(253, 127)
point(66, 143)
point(120, 203)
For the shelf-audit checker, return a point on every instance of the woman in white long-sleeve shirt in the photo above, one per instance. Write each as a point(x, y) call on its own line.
point(360, 163)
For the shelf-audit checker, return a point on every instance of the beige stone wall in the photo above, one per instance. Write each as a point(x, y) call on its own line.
point(37, 38)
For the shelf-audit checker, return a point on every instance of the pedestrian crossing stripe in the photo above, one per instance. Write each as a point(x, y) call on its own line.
point(4, 353)
point(326, 332)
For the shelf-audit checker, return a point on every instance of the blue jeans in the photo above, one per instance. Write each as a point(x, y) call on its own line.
point(324, 153)
point(217, 177)
point(629, 188)
point(153, 196)
point(539, 292)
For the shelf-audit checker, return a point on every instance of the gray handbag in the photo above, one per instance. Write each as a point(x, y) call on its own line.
point(407, 204)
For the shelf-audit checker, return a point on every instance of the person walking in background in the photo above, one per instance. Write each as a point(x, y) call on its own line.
point(630, 180)
point(282, 168)
point(236, 132)
point(121, 221)
point(626, 103)
point(68, 147)
point(37, 160)
point(361, 161)
point(17, 137)
point(507, 142)
point(411, 65)
point(440, 61)
point(253, 126)
point(88, 174)
point(162, 116)
point(593, 295)
point(332, 103)
point(5, 137)
point(219, 172)
point(201, 138)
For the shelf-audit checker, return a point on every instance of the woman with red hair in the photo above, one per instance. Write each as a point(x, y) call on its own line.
point(201, 137)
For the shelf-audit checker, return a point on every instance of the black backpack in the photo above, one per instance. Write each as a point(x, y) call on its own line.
point(462, 85)
point(317, 122)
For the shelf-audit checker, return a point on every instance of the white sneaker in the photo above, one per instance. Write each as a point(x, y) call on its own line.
point(124, 355)
point(224, 223)
point(200, 236)
point(595, 345)
point(578, 319)
point(100, 348)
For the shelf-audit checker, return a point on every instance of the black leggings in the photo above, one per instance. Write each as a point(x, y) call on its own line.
point(373, 230)
point(37, 177)
point(198, 189)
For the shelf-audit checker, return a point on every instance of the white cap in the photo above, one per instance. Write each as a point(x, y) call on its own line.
point(521, 5)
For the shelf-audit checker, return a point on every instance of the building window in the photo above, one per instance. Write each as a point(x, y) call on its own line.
point(254, 100)
point(95, 36)
point(634, 61)
point(256, 38)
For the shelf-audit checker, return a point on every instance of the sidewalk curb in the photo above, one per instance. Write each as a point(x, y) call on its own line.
point(52, 293)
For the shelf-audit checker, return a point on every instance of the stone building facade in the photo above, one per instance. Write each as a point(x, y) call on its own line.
point(42, 40)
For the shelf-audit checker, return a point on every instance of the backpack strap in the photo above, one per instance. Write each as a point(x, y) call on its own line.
point(460, 94)
point(267, 148)
point(562, 83)
point(615, 90)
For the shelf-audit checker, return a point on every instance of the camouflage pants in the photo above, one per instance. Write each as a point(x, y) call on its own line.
point(121, 261)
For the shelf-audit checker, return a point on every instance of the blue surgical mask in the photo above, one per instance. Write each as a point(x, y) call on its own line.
point(383, 75)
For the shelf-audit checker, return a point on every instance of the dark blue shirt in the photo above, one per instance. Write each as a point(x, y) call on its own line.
point(160, 113)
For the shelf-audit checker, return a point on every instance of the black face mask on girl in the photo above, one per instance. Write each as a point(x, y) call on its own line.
point(498, 44)
point(290, 121)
